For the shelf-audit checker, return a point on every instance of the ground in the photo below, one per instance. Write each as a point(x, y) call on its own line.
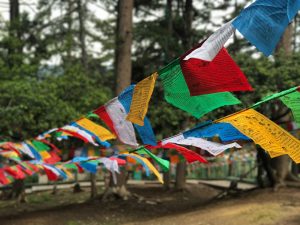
point(197, 205)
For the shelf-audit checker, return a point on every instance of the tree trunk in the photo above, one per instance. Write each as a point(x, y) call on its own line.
point(93, 185)
point(18, 191)
point(81, 16)
point(169, 21)
point(188, 19)
point(69, 35)
point(123, 80)
point(167, 180)
point(14, 16)
point(15, 46)
point(123, 45)
point(180, 176)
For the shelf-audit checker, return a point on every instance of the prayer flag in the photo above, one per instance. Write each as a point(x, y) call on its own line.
point(212, 147)
point(114, 115)
point(225, 131)
point(145, 132)
point(140, 99)
point(221, 74)
point(263, 22)
point(265, 133)
point(176, 92)
point(146, 164)
point(212, 46)
point(293, 102)
point(98, 130)
point(164, 164)
point(188, 154)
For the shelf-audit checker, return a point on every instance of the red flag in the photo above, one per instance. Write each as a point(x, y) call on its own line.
point(74, 134)
point(3, 179)
point(101, 112)
point(220, 75)
point(188, 154)
point(15, 172)
point(50, 174)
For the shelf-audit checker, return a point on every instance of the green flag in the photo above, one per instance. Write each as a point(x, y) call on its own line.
point(176, 92)
point(293, 102)
point(164, 164)
point(40, 146)
point(276, 95)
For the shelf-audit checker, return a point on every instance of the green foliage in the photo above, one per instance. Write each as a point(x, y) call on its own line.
point(36, 97)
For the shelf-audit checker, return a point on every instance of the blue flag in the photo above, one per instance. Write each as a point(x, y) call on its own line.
point(225, 131)
point(90, 166)
point(145, 132)
point(264, 21)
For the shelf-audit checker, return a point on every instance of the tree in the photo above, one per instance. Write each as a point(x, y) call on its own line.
point(123, 45)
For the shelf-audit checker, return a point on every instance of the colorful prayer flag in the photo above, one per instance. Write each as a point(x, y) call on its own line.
point(265, 133)
point(221, 74)
point(212, 46)
point(213, 148)
point(293, 102)
point(145, 132)
point(100, 131)
point(263, 22)
point(176, 92)
point(114, 115)
point(140, 99)
point(225, 131)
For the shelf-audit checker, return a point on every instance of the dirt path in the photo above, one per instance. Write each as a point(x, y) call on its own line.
point(260, 207)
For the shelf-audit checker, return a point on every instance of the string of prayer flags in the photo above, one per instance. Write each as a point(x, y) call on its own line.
point(51, 173)
point(15, 172)
point(54, 158)
point(28, 149)
point(26, 169)
point(3, 178)
point(140, 100)
point(41, 149)
point(212, 147)
point(164, 164)
point(145, 132)
point(12, 155)
point(188, 154)
point(112, 164)
point(78, 133)
point(176, 93)
point(293, 102)
point(114, 115)
point(103, 115)
point(98, 130)
point(146, 164)
point(225, 131)
point(65, 171)
point(90, 166)
point(212, 46)
point(263, 22)
point(276, 95)
point(265, 133)
point(92, 133)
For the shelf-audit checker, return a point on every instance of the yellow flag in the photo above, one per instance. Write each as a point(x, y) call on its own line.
point(151, 167)
point(67, 172)
point(140, 99)
point(45, 154)
point(266, 133)
point(98, 130)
